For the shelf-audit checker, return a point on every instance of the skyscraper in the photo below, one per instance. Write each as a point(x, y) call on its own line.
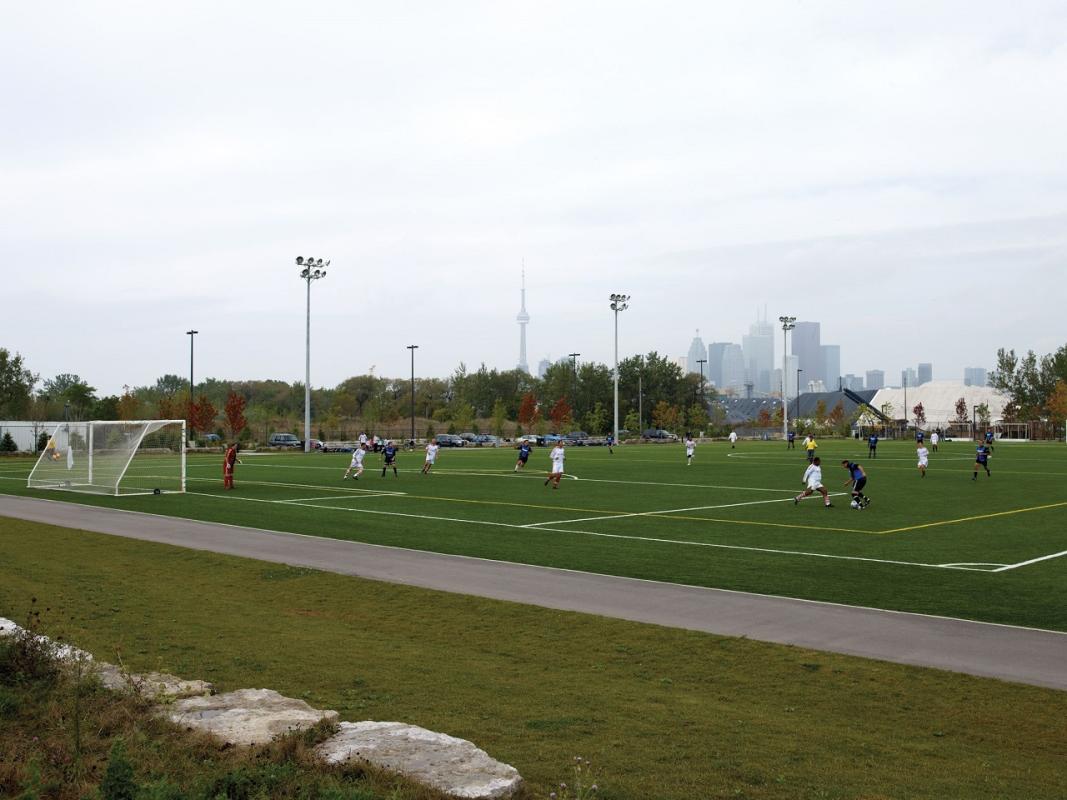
point(758, 347)
point(715, 351)
point(909, 377)
point(733, 368)
point(791, 363)
point(926, 374)
point(975, 376)
point(875, 379)
point(696, 354)
point(831, 366)
point(807, 347)
point(523, 319)
point(853, 382)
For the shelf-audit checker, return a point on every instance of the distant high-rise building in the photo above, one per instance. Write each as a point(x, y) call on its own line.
point(733, 368)
point(542, 367)
point(909, 377)
point(926, 374)
point(758, 347)
point(816, 386)
point(523, 319)
point(975, 376)
point(875, 379)
point(807, 346)
point(715, 351)
point(853, 382)
point(681, 361)
point(696, 354)
point(831, 366)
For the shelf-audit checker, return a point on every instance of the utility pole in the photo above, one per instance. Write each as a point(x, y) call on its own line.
point(619, 302)
point(788, 323)
point(192, 336)
point(413, 348)
point(312, 270)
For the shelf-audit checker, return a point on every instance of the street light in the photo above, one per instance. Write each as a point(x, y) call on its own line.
point(619, 302)
point(312, 269)
point(191, 335)
point(413, 348)
point(574, 365)
point(702, 362)
point(788, 323)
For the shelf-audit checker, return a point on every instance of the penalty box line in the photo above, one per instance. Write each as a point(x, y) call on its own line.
point(975, 517)
point(651, 539)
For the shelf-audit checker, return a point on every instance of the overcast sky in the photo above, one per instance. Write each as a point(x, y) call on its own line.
point(896, 171)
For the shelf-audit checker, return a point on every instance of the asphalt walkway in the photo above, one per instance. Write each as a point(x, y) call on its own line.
point(1022, 655)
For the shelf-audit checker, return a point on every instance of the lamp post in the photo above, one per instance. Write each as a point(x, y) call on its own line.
point(192, 336)
point(574, 366)
point(312, 269)
point(413, 348)
point(619, 302)
point(974, 422)
point(702, 362)
point(797, 415)
point(788, 323)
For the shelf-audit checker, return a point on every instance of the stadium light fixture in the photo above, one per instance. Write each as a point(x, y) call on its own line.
point(702, 362)
point(619, 302)
point(788, 323)
point(574, 367)
point(413, 348)
point(313, 270)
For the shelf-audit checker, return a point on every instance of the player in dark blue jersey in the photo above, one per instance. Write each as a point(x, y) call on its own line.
point(524, 456)
point(872, 445)
point(858, 478)
point(389, 458)
point(981, 461)
point(611, 444)
point(791, 440)
point(919, 436)
point(989, 439)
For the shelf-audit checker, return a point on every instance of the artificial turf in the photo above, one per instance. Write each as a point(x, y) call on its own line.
point(944, 544)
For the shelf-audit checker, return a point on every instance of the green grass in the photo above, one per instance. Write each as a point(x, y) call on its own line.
point(930, 545)
point(662, 713)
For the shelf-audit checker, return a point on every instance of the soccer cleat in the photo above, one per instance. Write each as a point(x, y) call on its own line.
point(828, 505)
point(796, 501)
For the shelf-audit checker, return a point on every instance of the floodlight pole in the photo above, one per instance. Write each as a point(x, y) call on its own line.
point(797, 415)
point(192, 336)
point(788, 323)
point(702, 362)
point(312, 269)
point(574, 365)
point(413, 348)
point(619, 302)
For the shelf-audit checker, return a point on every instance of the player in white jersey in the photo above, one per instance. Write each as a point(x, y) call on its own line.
point(935, 439)
point(813, 479)
point(733, 439)
point(924, 458)
point(690, 448)
point(357, 462)
point(431, 456)
point(557, 455)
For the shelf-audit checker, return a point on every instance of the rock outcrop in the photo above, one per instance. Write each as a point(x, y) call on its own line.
point(444, 762)
point(153, 685)
point(247, 716)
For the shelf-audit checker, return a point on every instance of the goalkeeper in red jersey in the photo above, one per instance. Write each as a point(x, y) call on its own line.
point(228, 463)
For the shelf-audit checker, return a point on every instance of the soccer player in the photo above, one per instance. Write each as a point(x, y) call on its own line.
point(733, 439)
point(611, 444)
point(791, 439)
point(389, 458)
point(357, 461)
point(919, 436)
point(989, 439)
point(981, 461)
point(431, 456)
point(858, 478)
point(810, 445)
point(872, 445)
point(228, 462)
point(813, 479)
point(557, 455)
point(924, 458)
point(935, 438)
point(524, 456)
point(690, 448)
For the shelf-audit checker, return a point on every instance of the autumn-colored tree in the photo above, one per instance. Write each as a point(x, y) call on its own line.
point(561, 415)
point(235, 414)
point(1057, 401)
point(763, 419)
point(820, 411)
point(696, 417)
point(528, 410)
point(837, 414)
point(169, 407)
point(201, 415)
point(129, 406)
point(920, 415)
point(962, 415)
point(666, 416)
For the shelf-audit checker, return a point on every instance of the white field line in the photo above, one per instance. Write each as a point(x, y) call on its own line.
point(667, 511)
point(346, 490)
point(657, 540)
point(342, 497)
point(1031, 561)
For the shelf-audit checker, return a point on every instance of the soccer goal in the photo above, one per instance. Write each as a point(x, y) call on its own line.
point(117, 458)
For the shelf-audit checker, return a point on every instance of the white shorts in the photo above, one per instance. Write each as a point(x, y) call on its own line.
point(430, 459)
point(557, 466)
point(689, 451)
point(356, 462)
point(814, 485)
point(924, 462)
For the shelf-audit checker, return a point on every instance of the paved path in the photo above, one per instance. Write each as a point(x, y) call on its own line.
point(1022, 655)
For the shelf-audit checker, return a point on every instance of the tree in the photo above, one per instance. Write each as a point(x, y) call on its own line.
point(463, 416)
point(201, 415)
point(70, 388)
point(7, 444)
point(763, 419)
point(632, 423)
point(962, 415)
point(129, 407)
point(696, 417)
point(982, 411)
point(1057, 401)
point(596, 419)
point(820, 411)
point(500, 416)
point(919, 414)
point(666, 416)
point(561, 415)
point(235, 414)
point(529, 413)
point(16, 385)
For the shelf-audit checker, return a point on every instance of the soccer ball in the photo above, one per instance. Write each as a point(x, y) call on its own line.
point(854, 504)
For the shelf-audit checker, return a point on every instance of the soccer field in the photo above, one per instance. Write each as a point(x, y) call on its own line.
point(994, 549)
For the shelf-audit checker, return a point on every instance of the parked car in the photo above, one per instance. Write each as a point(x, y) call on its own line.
point(448, 440)
point(577, 438)
point(529, 438)
point(284, 440)
point(659, 435)
point(316, 444)
point(550, 438)
point(486, 440)
point(212, 438)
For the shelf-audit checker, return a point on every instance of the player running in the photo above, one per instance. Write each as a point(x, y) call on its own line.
point(228, 462)
point(611, 444)
point(357, 461)
point(389, 458)
point(557, 455)
point(524, 456)
point(981, 461)
point(431, 456)
point(733, 439)
point(935, 438)
point(810, 446)
point(989, 439)
point(924, 458)
point(872, 445)
point(858, 478)
point(813, 479)
point(690, 449)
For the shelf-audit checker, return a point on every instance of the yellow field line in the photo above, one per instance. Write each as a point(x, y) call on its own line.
point(971, 519)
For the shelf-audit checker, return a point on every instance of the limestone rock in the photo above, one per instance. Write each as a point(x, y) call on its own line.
point(153, 685)
point(7, 627)
point(448, 764)
point(247, 716)
point(62, 652)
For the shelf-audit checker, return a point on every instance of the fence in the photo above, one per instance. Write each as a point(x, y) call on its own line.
point(27, 434)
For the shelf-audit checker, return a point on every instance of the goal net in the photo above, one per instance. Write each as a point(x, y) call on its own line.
point(117, 458)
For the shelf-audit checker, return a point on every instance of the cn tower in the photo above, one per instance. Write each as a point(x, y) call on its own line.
point(523, 319)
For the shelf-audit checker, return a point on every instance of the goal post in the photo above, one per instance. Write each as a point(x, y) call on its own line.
point(113, 457)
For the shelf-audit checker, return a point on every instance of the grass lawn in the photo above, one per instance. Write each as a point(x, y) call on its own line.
point(662, 713)
point(994, 549)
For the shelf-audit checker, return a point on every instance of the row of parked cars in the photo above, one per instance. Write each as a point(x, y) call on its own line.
point(574, 438)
